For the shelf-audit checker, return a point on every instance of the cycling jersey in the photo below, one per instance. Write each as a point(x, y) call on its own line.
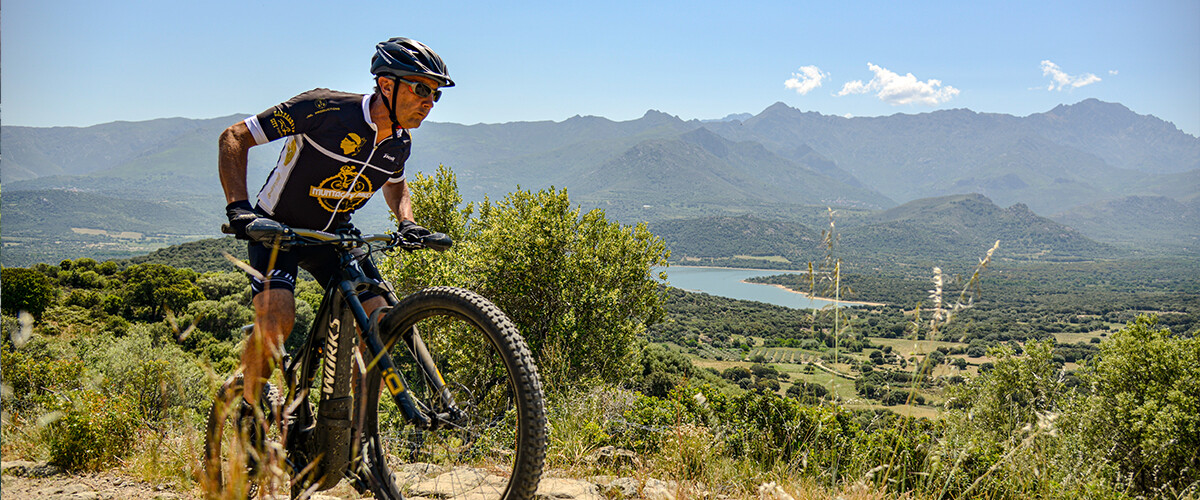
point(330, 165)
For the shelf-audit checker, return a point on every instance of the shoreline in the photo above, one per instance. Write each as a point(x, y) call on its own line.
point(784, 288)
point(827, 299)
point(780, 271)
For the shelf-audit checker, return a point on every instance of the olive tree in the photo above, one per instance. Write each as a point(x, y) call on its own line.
point(25, 290)
point(580, 288)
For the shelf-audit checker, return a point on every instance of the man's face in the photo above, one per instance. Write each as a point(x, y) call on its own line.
point(411, 109)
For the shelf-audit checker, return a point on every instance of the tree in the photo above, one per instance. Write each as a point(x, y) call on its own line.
point(216, 285)
point(579, 287)
point(1012, 394)
point(150, 289)
point(803, 388)
point(25, 290)
point(736, 373)
point(1143, 412)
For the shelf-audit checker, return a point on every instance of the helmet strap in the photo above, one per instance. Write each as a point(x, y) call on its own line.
point(391, 106)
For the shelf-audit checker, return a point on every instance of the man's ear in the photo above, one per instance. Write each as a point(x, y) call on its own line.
point(385, 86)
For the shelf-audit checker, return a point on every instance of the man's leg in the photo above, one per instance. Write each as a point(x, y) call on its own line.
point(274, 315)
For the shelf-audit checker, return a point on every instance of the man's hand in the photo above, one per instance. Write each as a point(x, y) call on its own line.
point(412, 231)
point(240, 214)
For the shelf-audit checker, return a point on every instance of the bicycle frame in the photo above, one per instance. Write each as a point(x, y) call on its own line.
point(332, 435)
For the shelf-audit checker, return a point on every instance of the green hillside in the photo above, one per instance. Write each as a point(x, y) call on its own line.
point(1142, 223)
point(202, 256)
point(952, 229)
point(51, 225)
point(720, 240)
point(962, 227)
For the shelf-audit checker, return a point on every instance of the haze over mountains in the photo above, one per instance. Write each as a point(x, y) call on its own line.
point(1076, 163)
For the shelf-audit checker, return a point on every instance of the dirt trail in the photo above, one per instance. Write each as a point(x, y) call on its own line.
point(39, 481)
point(30, 480)
point(23, 480)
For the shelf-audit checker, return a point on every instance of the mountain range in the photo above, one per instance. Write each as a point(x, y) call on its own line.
point(1075, 162)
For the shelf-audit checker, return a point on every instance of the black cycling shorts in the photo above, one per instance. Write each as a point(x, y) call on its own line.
point(320, 261)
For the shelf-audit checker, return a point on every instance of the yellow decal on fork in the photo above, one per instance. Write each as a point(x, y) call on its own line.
point(392, 379)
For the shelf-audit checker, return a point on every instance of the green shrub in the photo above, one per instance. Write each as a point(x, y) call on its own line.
point(25, 290)
point(78, 278)
point(161, 380)
point(82, 298)
point(33, 375)
point(1142, 417)
point(93, 430)
point(224, 319)
point(107, 268)
point(526, 253)
point(217, 285)
point(151, 289)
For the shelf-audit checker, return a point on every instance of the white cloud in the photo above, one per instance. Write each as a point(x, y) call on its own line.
point(1060, 79)
point(1112, 72)
point(896, 89)
point(806, 80)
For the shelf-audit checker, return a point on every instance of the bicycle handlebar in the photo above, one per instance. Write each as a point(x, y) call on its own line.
point(267, 230)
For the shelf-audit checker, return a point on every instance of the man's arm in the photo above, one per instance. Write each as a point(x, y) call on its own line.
point(233, 148)
point(398, 200)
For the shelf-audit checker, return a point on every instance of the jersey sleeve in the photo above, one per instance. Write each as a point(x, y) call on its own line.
point(296, 116)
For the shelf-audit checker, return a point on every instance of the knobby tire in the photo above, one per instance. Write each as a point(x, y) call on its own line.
point(499, 449)
point(226, 473)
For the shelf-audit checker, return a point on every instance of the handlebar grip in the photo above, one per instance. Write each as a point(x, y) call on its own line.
point(226, 229)
point(438, 241)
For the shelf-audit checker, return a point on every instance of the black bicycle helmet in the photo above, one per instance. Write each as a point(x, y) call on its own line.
point(400, 57)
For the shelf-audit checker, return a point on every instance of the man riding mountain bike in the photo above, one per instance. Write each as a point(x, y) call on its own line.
point(341, 148)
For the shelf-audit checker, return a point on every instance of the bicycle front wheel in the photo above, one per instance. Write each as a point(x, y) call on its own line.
point(494, 445)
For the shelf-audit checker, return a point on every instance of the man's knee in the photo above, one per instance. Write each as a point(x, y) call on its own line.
point(275, 312)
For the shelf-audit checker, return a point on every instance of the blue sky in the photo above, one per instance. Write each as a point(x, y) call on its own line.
point(79, 63)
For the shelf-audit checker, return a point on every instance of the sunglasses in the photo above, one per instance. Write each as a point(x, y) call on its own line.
point(422, 90)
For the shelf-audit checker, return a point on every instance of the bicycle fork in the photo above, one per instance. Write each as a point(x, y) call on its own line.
point(414, 410)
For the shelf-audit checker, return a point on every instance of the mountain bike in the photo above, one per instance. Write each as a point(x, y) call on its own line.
point(465, 403)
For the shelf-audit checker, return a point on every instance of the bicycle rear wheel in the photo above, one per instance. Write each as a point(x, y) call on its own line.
point(236, 453)
point(496, 447)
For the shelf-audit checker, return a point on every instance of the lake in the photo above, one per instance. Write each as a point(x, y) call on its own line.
point(727, 282)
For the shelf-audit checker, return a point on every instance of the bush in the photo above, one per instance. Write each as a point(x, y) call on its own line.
point(217, 285)
point(223, 319)
point(800, 389)
point(527, 253)
point(93, 430)
point(1142, 414)
point(25, 290)
point(108, 268)
point(1012, 394)
point(33, 375)
point(82, 298)
point(82, 279)
point(158, 379)
point(151, 289)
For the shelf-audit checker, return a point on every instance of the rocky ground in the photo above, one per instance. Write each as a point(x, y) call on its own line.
point(31, 480)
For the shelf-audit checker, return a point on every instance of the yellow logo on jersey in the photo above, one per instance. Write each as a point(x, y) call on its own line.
point(343, 192)
point(352, 144)
point(289, 151)
point(282, 123)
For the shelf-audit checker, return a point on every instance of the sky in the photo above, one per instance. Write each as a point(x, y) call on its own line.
point(81, 63)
